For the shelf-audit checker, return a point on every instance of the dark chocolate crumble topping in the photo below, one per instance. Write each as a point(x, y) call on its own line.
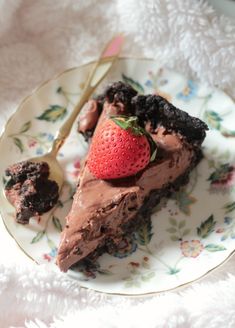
point(153, 109)
point(159, 111)
point(156, 110)
point(119, 92)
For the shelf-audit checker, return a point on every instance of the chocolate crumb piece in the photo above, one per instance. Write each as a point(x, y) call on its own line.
point(22, 171)
point(119, 92)
point(30, 190)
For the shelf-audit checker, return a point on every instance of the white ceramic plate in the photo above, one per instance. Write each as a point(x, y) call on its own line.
point(191, 235)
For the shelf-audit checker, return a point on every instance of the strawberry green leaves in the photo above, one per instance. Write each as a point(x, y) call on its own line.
point(127, 123)
point(131, 123)
point(119, 148)
point(53, 113)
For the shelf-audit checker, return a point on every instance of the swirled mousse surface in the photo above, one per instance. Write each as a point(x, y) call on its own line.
point(30, 190)
point(100, 208)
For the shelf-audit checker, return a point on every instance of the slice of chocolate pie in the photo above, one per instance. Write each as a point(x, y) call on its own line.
point(104, 211)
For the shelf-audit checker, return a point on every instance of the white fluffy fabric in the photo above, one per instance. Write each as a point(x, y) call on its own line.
point(7, 11)
point(28, 67)
point(40, 38)
point(58, 302)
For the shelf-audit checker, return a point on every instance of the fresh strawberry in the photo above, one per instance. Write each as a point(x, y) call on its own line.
point(119, 148)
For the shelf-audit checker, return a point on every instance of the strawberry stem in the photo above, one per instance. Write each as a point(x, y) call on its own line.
point(131, 123)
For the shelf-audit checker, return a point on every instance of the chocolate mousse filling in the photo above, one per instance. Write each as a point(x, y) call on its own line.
point(104, 211)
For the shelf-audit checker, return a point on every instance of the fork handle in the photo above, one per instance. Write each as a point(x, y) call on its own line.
point(97, 74)
point(67, 126)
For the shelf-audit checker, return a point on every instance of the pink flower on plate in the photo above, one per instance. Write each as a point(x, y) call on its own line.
point(32, 143)
point(47, 257)
point(77, 164)
point(191, 248)
point(75, 173)
point(220, 230)
point(223, 178)
point(134, 264)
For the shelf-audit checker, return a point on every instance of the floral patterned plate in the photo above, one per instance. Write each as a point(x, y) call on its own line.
point(190, 235)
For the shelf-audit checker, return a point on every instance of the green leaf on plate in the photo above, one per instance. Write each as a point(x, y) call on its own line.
point(173, 271)
point(171, 230)
point(25, 127)
point(57, 223)
point(51, 244)
point(4, 181)
point(19, 144)
point(212, 119)
point(229, 207)
point(219, 172)
point(206, 227)
point(184, 201)
point(215, 248)
point(211, 163)
point(174, 238)
point(134, 84)
point(148, 276)
point(186, 232)
point(226, 132)
point(53, 113)
point(59, 90)
point(38, 237)
point(181, 224)
point(173, 222)
point(144, 234)
point(104, 272)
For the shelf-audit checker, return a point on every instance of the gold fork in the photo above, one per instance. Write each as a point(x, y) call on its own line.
point(97, 74)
